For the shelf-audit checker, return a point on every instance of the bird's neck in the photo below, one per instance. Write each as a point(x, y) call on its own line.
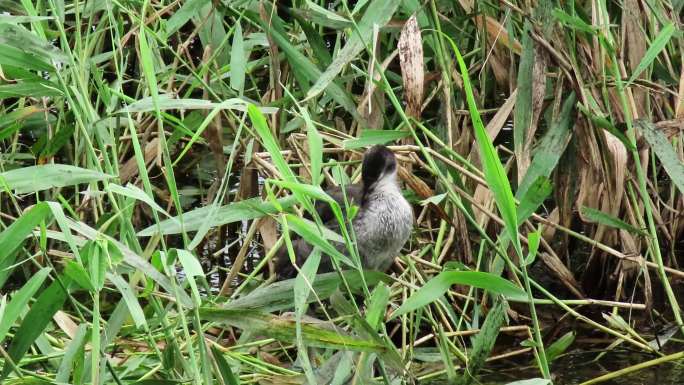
point(387, 185)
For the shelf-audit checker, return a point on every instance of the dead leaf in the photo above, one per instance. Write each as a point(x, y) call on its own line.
point(412, 66)
point(130, 169)
point(635, 44)
point(498, 33)
point(416, 184)
point(65, 323)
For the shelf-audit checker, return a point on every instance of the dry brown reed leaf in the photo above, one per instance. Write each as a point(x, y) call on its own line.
point(275, 89)
point(463, 239)
point(302, 151)
point(558, 269)
point(499, 68)
point(499, 119)
point(268, 229)
point(483, 197)
point(239, 261)
point(416, 184)
point(412, 66)
point(498, 33)
point(616, 173)
point(249, 178)
point(679, 109)
point(629, 247)
point(467, 5)
point(495, 125)
point(590, 190)
point(549, 231)
point(565, 187)
point(635, 44)
point(372, 104)
point(129, 170)
point(65, 323)
point(213, 132)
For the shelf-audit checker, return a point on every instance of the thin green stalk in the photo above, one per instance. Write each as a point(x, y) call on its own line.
point(654, 243)
point(95, 339)
point(634, 368)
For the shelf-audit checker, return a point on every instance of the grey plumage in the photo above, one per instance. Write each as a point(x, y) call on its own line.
point(382, 224)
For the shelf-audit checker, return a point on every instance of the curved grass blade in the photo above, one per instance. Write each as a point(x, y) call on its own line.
point(437, 286)
point(133, 191)
point(314, 333)
point(37, 178)
point(535, 195)
point(238, 61)
point(13, 236)
point(304, 70)
point(302, 290)
point(657, 45)
point(278, 296)
point(531, 381)
point(20, 299)
point(599, 216)
point(233, 212)
point(71, 354)
point(560, 346)
point(168, 102)
point(226, 373)
point(310, 234)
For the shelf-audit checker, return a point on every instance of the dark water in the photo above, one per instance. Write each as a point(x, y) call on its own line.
point(577, 367)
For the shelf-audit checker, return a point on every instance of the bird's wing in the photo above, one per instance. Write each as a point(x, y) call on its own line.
point(284, 269)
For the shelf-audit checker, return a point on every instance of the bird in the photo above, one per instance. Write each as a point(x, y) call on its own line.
point(382, 224)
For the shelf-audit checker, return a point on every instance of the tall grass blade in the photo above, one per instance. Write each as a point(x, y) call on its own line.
point(302, 289)
point(71, 355)
point(657, 45)
point(238, 61)
point(305, 71)
point(559, 346)
point(522, 114)
point(668, 157)
point(278, 296)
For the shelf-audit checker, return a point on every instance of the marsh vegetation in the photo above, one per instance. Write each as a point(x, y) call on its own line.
point(154, 155)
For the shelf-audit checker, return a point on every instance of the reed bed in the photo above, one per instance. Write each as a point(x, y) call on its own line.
point(155, 154)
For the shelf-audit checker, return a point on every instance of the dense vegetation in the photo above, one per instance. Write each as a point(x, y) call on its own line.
point(155, 154)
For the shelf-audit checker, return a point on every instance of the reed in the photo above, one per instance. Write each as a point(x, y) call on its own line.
point(155, 154)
